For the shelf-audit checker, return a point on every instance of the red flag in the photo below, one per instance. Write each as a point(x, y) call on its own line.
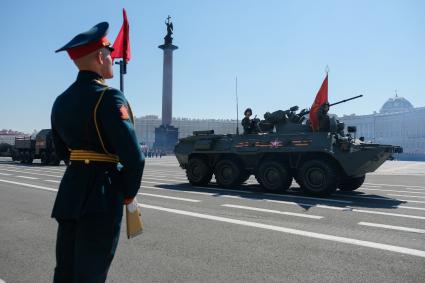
point(122, 42)
point(321, 98)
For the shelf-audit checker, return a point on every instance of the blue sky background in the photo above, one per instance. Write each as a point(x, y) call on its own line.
point(278, 49)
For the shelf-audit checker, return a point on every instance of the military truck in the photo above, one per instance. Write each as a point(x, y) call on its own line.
point(285, 148)
point(26, 149)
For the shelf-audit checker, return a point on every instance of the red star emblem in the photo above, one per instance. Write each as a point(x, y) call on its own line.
point(275, 143)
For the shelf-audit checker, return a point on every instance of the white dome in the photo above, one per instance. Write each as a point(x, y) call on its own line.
point(396, 104)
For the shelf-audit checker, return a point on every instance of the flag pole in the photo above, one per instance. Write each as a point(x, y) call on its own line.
point(122, 72)
point(124, 54)
point(120, 63)
point(123, 66)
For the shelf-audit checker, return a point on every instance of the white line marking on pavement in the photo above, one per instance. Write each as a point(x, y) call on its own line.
point(38, 169)
point(55, 190)
point(232, 196)
point(297, 232)
point(355, 209)
point(159, 183)
point(52, 181)
point(307, 204)
point(395, 195)
point(285, 202)
point(392, 185)
point(410, 207)
point(169, 197)
point(224, 190)
point(267, 194)
point(5, 174)
point(399, 228)
point(273, 211)
point(408, 188)
point(385, 190)
point(171, 190)
point(29, 185)
point(303, 197)
point(161, 177)
point(379, 198)
point(26, 177)
point(388, 213)
point(204, 188)
point(38, 174)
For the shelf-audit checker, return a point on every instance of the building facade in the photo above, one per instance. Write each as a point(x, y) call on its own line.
point(397, 123)
point(8, 136)
point(145, 127)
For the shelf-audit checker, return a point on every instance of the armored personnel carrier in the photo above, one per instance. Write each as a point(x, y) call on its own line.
point(285, 148)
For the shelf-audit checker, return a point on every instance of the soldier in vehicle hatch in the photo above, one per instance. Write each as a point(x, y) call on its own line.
point(249, 125)
point(323, 117)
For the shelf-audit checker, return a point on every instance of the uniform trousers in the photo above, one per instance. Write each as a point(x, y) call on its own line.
point(85, 248)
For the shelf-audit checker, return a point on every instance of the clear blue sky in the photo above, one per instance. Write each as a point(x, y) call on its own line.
point(278, 50)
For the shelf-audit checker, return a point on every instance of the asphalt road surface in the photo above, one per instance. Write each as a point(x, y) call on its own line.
point(211, 234)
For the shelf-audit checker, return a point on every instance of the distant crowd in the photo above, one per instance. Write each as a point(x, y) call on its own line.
point(153, 153)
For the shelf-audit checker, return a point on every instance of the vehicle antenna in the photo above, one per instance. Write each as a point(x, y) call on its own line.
point(237, 107)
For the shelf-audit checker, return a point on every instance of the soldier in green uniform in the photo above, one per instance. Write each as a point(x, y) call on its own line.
point(93, 131)
point(323, 118)
point(249, 125)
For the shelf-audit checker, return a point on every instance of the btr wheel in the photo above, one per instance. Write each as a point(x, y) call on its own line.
point(274, 177)
point(318, 178)
point(27, 158)
point(227, 173)
point(351, 184)
point(198, 172)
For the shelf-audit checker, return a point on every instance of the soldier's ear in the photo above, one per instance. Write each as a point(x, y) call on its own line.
point(99, 57)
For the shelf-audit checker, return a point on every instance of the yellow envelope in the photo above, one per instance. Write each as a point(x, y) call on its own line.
point(134, 219)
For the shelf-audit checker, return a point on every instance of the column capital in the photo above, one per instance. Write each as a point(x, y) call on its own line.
point(168, 47)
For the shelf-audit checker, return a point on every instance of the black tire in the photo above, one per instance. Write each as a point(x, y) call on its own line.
point(227, 173)
point(274, 177)
point(27, 158)
point(351, 184)
point(318, 178)
point(198, 172)
point(21, 157)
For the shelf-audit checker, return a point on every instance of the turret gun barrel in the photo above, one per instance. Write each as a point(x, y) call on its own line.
point(345, 100)
point(339, 102)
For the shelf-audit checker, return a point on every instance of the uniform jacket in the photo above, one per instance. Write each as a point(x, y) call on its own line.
point(323, 118)
point(97, 187)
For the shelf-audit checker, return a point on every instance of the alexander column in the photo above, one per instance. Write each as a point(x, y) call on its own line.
point(166, 135)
